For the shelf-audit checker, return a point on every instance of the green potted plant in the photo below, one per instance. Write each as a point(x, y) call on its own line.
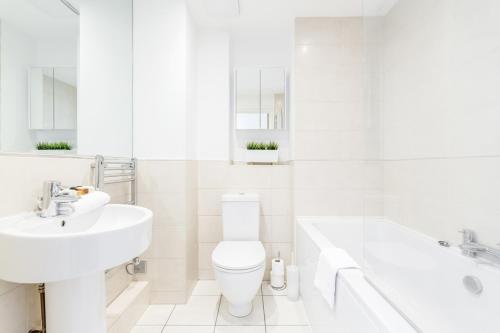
point(262, 153)
point(53, 147)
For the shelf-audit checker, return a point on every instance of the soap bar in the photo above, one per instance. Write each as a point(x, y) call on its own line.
point(82, 190)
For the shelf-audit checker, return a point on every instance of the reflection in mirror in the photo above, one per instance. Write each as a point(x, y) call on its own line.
point(260, 98)
point(38, 76)
point(248, 99)
point(52, 98)
point(273, 98)
point(66, 75)
point(41, 95)
point(65, 98)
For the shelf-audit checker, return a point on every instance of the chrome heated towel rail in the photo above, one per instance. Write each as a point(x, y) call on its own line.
point(112, 170)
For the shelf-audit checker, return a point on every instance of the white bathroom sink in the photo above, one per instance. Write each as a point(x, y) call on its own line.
point(36, 250)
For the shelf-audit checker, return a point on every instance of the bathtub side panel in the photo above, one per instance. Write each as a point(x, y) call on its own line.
point(348, 316)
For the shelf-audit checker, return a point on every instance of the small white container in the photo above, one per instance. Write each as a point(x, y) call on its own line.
point(262, 156)
point(54, 151)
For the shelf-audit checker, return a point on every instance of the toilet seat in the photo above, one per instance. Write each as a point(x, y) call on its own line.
point(239, 256)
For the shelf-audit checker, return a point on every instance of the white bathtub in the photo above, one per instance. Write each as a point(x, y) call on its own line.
point(418, 283)
point(359, 308)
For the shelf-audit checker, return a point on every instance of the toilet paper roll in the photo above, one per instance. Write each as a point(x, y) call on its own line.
point(278, 273)
point(278, 266)
point(292, 281)
point(277, 280)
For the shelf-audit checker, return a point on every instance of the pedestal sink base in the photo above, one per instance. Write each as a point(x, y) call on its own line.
point(77, 305)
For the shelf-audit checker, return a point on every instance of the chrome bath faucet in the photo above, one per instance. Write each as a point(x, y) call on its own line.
point(471, 248)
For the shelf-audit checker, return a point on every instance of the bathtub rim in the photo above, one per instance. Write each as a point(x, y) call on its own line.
point(379, 309)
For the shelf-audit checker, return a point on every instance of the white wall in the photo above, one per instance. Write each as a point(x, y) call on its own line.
point(17, 55)
point(212, 95)
point(163, 82)
point(258, 49)
point(105, 78)
point(191, 83)
point(169, 97)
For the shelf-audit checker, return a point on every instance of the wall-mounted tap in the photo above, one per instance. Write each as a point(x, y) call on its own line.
point(468, 246)
point(471, 248)
point(56, 200)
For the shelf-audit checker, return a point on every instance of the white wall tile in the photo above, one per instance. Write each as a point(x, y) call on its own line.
point(205, 255)
point(281, 177)
point(310, 31)
point(266, 228)
point(165, 274)
point(13, 311)
point(329, 116)
point(5, 287)
point(168, 208)
point(281, 202)
point(318, 145)
point(209, 229)
point(282, 229)
point(117, 280)
point(436, 98)
point(170, 190)
point(213, 174)
point(209, 202)
point(168, 242)
point(161, 176)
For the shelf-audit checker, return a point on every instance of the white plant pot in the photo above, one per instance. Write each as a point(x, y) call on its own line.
point(54, 151)
point(262, 156)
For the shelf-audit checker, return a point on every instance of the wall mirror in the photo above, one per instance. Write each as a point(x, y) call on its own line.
point(66, 76)
point(260, 98)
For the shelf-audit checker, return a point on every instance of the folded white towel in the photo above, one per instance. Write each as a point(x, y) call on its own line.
point(331, 260)
point(90, 202)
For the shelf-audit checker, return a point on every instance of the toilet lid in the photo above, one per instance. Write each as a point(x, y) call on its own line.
point(238, 255)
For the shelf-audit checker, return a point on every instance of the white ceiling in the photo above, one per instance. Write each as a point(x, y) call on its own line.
point(50, 17)
point(40, 18)
point(278, 14)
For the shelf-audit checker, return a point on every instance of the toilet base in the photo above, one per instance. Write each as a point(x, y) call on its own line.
point(240, 310)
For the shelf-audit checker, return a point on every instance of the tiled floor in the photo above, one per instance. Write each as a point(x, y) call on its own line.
point(206, 312)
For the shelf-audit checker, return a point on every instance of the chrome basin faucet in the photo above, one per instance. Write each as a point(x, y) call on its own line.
point(56, 200)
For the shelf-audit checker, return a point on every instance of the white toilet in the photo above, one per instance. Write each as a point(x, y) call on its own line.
point(239, 260)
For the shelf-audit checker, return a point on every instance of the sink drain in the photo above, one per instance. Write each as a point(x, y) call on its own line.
point(473, 284)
